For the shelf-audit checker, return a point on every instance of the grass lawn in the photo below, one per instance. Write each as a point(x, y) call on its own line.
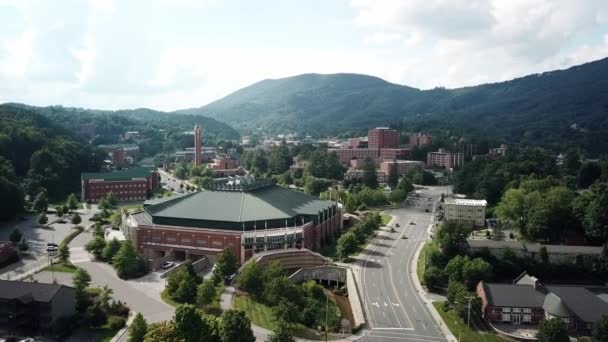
point(457, 325)
point(421, 258)
point(131, 207)
point(385, 218)
point(103, 333)
point(167, 299)
point(213, 308)
point(67, 268)
point(261, 315)
point(93, 291)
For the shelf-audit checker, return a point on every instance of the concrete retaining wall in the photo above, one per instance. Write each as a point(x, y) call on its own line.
point(354, 299)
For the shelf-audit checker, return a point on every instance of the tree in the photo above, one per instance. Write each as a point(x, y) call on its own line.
point(281, 334)
point(315, 186)
point(454, 268)
point(286, 311)
point(76, 219)
point(347, 245)
point(205, 292)
point(432, 277)
point(96, 247)
point(23, 245)
point(544, 256)
point(591, 208)
point(162, 331)
point(81, 280)
point(188, 322)
point(72, 202)
point(226, 263)
point(571, 162)
point(111, 249)
point(251, 278)
point(476, 270)
point(41, 203)
point(393, 175)
point(15, 236)
point(59, 211)
point(552, 330)
point(182, 284)
point(512, 208)
point(405, 185)
point(186, 292)
point(600, 329)
point(397, 196)
point(138, 329)
point(128, 263)
point(370, 178)
point(588, 174)
point(43, 219)
point(64, 253)
point(351, 204)
point(235, 327)
point(452, 237)
point(111, 198)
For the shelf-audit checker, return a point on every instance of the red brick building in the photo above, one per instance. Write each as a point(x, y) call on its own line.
point(248, 216)
point(133, 184)
point(420, 139)
point(445, 160)
point(383, 137)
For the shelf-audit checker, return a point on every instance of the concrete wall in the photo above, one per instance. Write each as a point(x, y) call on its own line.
point(332, 274)
point(354, 299)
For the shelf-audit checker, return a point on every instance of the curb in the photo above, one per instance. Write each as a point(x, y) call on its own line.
point(124, 330)
point(438, 320)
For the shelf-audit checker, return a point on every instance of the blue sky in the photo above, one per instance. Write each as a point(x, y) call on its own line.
point(177, 54)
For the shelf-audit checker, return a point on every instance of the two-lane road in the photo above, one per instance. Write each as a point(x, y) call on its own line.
point(395, 311)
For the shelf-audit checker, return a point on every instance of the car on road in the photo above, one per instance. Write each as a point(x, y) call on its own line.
point(412, 223)
point(52, 247)
point(426, 210)
point(167, 265)
point(397, 225)
point(403, 237)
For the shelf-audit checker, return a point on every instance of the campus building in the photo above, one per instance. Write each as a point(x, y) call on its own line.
point(34, 307)
point(420, 139)
point(498, 151)
point(403, 166)
point(527, 301)
point(133, 184)
point(244, 214)
point(445, 160)
point(383, 137)
point(222, 166)
point(469, 211)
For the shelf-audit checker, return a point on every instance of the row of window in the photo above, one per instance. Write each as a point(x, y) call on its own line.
point(117, 186)
point(516, 310)
point(186, 241)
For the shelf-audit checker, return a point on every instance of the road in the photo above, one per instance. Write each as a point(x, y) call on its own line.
point(395, 311)
point(170, 182)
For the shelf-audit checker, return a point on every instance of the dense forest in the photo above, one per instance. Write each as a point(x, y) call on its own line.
point(36, 154)
point(163, 132)
point(555, 109)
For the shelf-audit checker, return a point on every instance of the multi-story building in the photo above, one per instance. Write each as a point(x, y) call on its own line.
point(383, 137)
point(133, 184)
point(394, 153)
point(345, 155)
point(33, 308)
point(527, 301)
point(246, 215)
point(354, 174)
point(121, 155)
point(357, 143)
point(420, 139)
point(403, 166)
point(132, 135)
point(468, 211)
point(443, 159)
point(498, 151)
point(224, 166)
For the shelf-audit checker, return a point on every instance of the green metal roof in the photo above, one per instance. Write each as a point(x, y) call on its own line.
point(134, 172)
point(270, 203)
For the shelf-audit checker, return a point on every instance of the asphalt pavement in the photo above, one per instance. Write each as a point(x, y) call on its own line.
point(394, 308)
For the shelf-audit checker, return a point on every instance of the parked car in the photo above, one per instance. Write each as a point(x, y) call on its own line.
point(167, 265)
point(52, 247)
point(426, 210)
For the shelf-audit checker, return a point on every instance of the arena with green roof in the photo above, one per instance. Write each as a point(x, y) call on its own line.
point(244, 214)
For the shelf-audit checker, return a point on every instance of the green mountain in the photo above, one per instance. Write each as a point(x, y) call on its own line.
point(556, 109)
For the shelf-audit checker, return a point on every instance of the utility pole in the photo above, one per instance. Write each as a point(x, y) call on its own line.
point(326, 314)
point(469, 315)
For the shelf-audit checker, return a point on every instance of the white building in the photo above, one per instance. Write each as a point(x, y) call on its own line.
point(465, 210)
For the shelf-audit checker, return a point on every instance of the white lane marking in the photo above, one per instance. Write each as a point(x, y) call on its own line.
point(395, 304)
point(393, 329)
point(376, 304)
point(385, 304)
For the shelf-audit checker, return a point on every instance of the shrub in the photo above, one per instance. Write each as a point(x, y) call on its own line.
point(116, 322)
point(118, 308)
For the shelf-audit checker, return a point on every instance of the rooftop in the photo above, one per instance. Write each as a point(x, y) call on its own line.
point(129, 174)
point(485, 243)
point(233, 205)
point(28, 291)
point(465, 201)
point(514, 295)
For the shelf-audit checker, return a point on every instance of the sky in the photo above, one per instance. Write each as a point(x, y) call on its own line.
point(176, 54)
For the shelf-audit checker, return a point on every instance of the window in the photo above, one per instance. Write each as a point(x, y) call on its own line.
point(506, 317)
point(506, 309)
point(170, 238)
point(527, 310)
point(217, 244)
point(527, 318)
point(156, 237)
point(200, 242)
point(186, 240)
point(516, 310)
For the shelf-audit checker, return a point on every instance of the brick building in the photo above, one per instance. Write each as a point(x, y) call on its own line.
point(403, 166)
point(246, 215)
point(420, 139)
point(133, 184)
point(445, 160)
point(224, 167)
point(527, 301)
point(382, 137)
point(6, 251)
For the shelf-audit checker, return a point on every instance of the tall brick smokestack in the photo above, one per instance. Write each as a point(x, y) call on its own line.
point(197, 145)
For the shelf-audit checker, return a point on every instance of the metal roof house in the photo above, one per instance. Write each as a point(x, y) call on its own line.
point(244, 214)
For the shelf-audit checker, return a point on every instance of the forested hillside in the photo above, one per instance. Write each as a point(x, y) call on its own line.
point(555, 109)
point(35, 154)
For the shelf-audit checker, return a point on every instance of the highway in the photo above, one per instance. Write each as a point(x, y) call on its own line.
point(394, 309)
